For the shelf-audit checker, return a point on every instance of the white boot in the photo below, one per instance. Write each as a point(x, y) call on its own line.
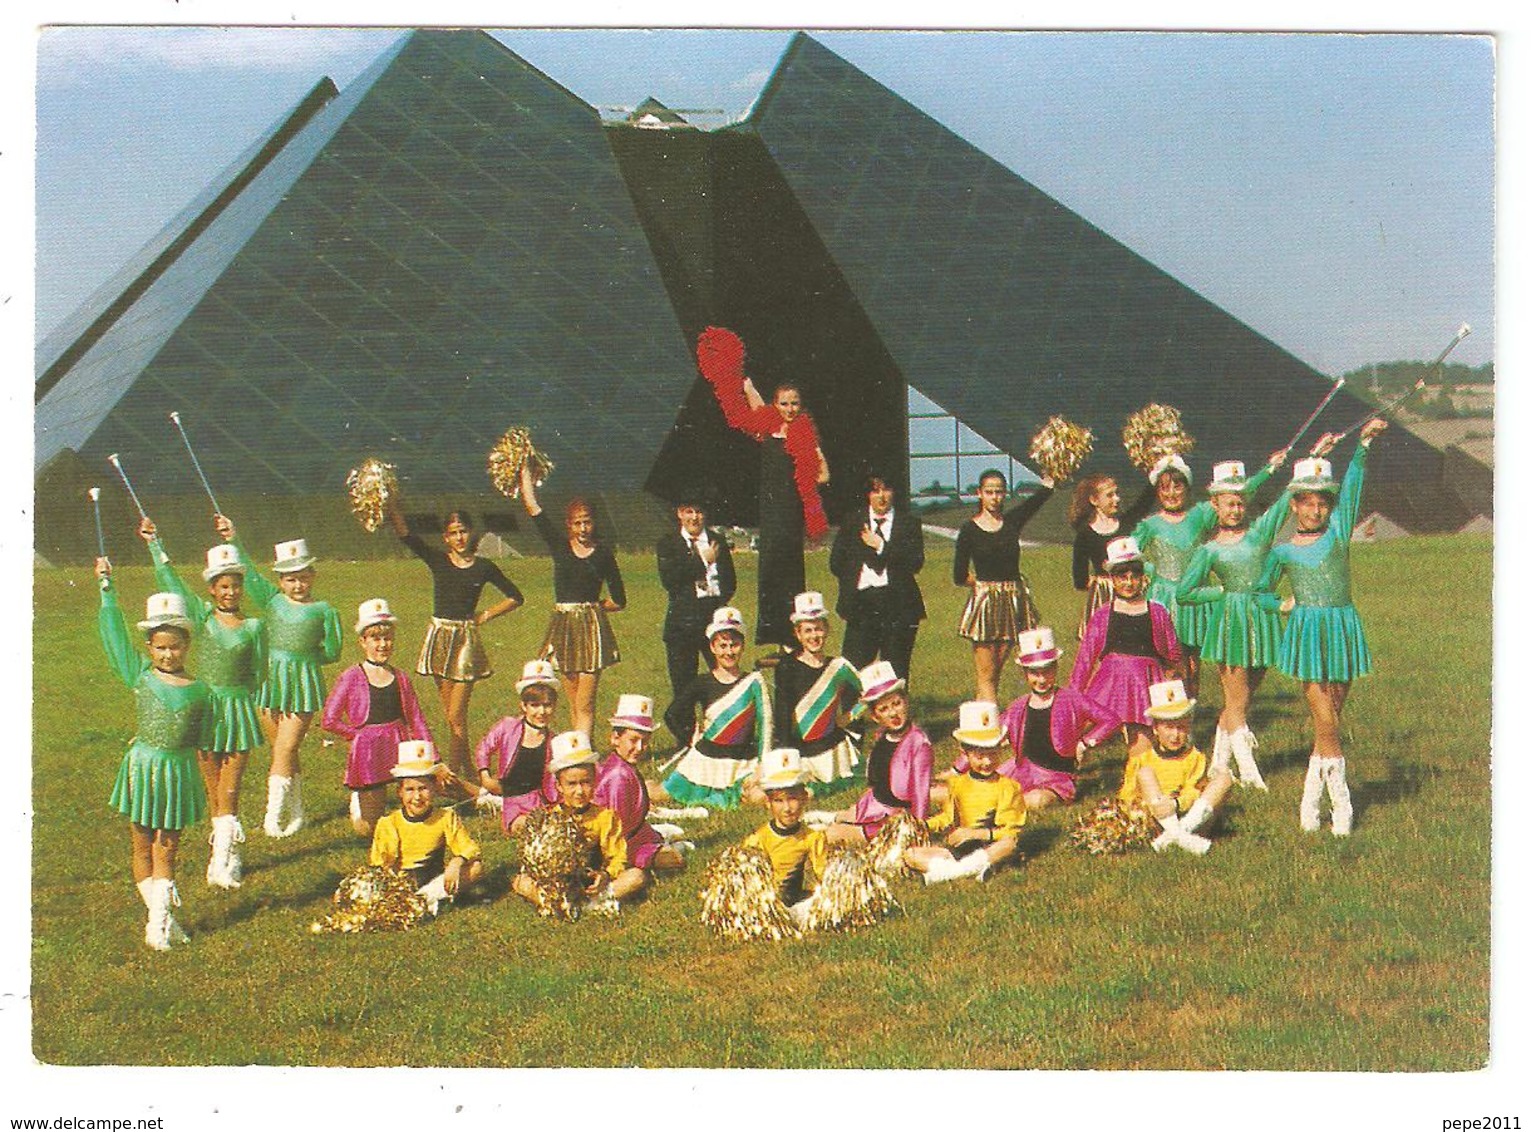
point(975, 865)
point(277, 788)
point(817, 819)
point(174, 933)
point(1199, 812)
point(1244, 743)
point(681, 847)
point(355, 805)
point(488, 802)
point(1339, 795)
point(800, 912)
point(435, 893)
point(1170, 823)
point(233, 866)
point(668, 832)
point(219, 838)
point(1312, 791)
point(938, 870)
point(1221, 749)
point(157, 928)
point(294, 820)
point(679, 813)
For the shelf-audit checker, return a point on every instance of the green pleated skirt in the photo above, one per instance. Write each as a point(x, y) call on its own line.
point(1192, 622)
point(293, 684)
point(159, 789)
point(1241, 634)
point(1324, 644)
point(236, 723)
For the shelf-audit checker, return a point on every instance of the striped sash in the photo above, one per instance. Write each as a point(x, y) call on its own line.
point(731, 720)
point(815, 711)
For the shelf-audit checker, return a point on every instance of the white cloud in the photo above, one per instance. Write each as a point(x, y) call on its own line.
point(65, 54)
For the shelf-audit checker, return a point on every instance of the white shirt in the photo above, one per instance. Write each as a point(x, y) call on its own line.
point(708, 587)
point(881, 525)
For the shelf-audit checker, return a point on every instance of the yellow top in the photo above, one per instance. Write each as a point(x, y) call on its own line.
point(790, 853)
point(993, 803)
point(402, 844)
point(604, 828)
point(1180, 777)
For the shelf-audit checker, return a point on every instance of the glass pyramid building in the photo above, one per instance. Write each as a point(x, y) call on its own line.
point(455, 243)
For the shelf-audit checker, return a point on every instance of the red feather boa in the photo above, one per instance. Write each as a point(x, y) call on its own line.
point(720, 356)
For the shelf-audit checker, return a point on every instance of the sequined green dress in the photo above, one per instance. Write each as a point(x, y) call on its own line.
point(231, 661)
point(1323, 641)
point(158, 784)
point(1239, 633)
point(300, 637)
point(1167, 548)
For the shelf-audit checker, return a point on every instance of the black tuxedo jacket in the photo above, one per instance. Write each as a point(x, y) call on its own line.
point(680, 569)
point(902, 557)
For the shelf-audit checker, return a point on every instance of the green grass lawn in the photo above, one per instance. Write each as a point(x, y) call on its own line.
point(1278, 950)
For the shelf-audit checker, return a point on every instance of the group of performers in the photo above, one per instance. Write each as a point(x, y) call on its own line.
point(1162, 592)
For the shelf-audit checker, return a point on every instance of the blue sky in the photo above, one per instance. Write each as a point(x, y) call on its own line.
point(1333, 191)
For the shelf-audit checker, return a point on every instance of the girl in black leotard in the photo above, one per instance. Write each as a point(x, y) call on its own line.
point(452, 653)
point(988, 562)
point(1093, 515)
point(579, 639)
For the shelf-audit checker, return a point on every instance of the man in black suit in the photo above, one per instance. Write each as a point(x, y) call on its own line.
point(696, 569)
point(876, 555)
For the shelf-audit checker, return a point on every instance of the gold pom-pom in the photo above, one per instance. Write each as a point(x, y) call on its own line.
point(372, 898)
point(371, 485)
point(507, 456)
point(1060, 447)
point(555, 852)
point(1113, 827)
point(1152, 433)
point(739, 897)
point(851, 894)
point(901, 831)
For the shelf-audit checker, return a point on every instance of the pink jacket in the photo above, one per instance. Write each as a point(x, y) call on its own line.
point(1074, 717)
point(1166, 644)
point(909, 776)
point(345, 711)
point(504, 740)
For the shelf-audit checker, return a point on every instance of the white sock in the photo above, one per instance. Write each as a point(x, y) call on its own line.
point(1339, 796)
point(1199, 812)
point(1312, 791)
point(938, 870)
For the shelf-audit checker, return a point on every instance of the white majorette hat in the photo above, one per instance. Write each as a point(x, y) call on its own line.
point(877, 680)
point(223, 559)
point(537, 672)
point(374, 611)
point(165, 611)
point(292, 557)
point(1313, 474)
point(1035, 648)
point(978, 725)
point(808, 607)
point(571, 748)
point(636, 712)
point(783, 769)
point(417, 759)
point(1122, 552)
point(1172, 462)
point(725, 618)
point(1227, 477)
point(1167, 700)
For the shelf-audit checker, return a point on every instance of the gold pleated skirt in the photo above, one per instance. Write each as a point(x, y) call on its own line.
point(452, 650)
point(580, 638)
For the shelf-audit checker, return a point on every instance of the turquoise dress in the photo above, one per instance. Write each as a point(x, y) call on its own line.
point(1323, 641)
point(1239, 633)
point(232, 661)
point(158, 785)
point(1167, 549)
point(300, 638)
